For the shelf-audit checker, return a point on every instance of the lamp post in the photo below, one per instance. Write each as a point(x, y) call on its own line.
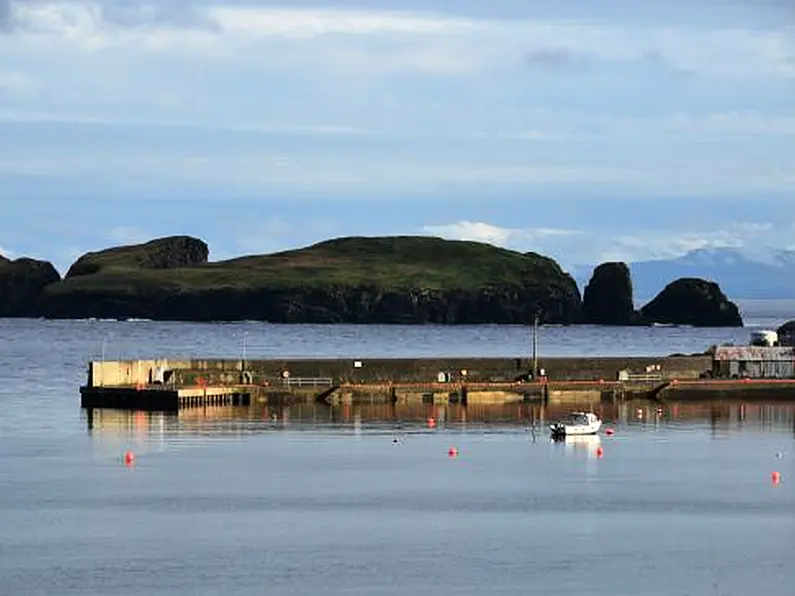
point(243, 351)
point(102, 359)
point(535, 347)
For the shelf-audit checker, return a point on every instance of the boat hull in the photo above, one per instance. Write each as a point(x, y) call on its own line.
point(566, 430)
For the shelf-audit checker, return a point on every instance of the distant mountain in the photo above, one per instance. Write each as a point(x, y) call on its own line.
point(741, 275)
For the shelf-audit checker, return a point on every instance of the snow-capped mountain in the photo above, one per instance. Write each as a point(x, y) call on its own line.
point(741, 273)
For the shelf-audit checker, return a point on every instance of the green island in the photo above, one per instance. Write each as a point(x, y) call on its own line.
point(394, 279)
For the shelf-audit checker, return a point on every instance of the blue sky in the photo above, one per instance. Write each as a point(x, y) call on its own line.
point(583, 130)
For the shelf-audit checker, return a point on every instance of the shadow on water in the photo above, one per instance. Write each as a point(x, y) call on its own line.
point(223, 421)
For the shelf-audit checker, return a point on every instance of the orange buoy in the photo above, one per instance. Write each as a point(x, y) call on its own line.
point(609, 432)
point(129, 458)
point(775, 477)
point(599, 452)
point(431, 422)
point(452, 452)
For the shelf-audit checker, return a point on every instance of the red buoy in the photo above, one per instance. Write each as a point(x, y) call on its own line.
point(609, 432)
point(599, 452)
point(129, 458)
point(452, 452)
point(431, 422)
point(775, 477)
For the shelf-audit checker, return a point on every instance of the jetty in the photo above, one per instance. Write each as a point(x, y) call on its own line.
point(175, 384)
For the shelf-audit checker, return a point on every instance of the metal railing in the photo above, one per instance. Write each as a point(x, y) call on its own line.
point(308, 382)
point(642, 377)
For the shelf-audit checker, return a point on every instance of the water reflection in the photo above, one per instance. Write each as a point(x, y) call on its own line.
point(224, 421)
point(586, 446)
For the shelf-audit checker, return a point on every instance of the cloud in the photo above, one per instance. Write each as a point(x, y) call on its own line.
point(269, 99)
point(554, 59)
point(168, 13)
point(743, 123)
point(6, 16)
point(484, 232)
point(384, 40)
point(587, 247)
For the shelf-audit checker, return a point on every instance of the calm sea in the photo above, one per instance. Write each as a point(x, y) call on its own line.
point(367, 500)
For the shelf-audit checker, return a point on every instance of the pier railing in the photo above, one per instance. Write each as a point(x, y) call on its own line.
point(308, 382)
point(642, 377)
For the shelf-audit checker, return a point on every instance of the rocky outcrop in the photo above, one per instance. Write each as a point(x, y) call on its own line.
point(786, 334)
point(21, 285)
point(607, 299)
point(341, 304)
point(787, 328)
point(692, 301)
point(163, 253)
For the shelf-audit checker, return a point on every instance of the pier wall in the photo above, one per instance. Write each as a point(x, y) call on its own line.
point(186, 372)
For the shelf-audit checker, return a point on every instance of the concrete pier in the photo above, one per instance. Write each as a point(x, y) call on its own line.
point(160, 398)
point(171, 384)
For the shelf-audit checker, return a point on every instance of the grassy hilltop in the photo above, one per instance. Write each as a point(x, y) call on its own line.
point(399, 262)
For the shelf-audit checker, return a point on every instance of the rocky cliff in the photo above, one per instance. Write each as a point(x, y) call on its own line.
point(607, 299)
point(403, 279)
point(692, 301)
point(21, 285)
point(163, 253)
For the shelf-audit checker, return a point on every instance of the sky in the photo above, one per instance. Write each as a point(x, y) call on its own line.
point(587, 130)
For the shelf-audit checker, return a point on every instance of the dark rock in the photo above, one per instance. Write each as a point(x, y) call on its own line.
point(21, 285)
point(341, 304)
point(163, 253)
point(786, 334)
point(692, 301)
point(607, 299)
point(787, 328)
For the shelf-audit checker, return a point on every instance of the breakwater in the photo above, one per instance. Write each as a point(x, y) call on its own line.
point(165, 383)
point(183, 372)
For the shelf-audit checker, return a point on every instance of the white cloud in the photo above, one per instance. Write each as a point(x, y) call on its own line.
point(456, 91)
point(742, 123)
point(285, 22)
point(484, 232)
point(385, 175)
point(581, 247)
point(384, 41)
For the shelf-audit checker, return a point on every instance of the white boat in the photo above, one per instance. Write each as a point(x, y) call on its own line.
point(576, 423)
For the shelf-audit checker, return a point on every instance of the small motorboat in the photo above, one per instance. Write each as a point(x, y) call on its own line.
point(576, 423)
